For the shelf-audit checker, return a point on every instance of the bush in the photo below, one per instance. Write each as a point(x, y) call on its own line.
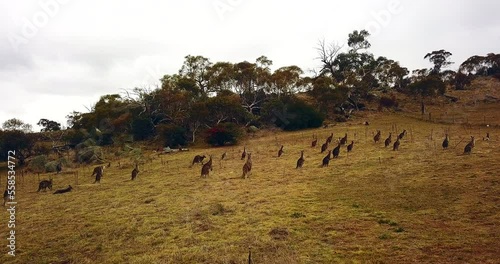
point(142, 129)
point(89, 154)
point(172, 135)
point(222, 134)
point(52, 165)
point(42, 148)
point(292, 114)
point(75, 137)
point(37, 164)
point(388, 102)
point(430, 86)
point(85, 144)
point(300, 115)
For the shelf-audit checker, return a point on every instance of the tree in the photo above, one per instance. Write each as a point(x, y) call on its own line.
point(142, 128)
point(481, 65)
point(327, 54)
point(49, 125)
point(73, 119)
point(18, 141)
point(286, 80)
point(16, 124)
point(326, 93)
point(292, 113)
point(195, 69)
point(440, 59)
point(390, 74)
point(225, 109)
point(358, 40)
point(428, 86)
point(221, 76)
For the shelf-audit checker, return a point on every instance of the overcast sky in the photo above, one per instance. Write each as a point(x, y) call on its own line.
point(57, 56)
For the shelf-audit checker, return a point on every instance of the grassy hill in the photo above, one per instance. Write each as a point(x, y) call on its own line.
point(420, 204)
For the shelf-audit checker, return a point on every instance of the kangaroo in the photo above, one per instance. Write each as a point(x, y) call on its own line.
point(326, 159)
point(388, 140)
point(280, 152)
point(376, 138)
point(446, 142)
point(324, 147)
point(198, 159)
point(468, 148)
point(329, 139)
point(58, 168)
point(336, 151)
point(396, 145)
point(343, 141)
point(98, 172)
point(5, 196)
point(207, 167)
point(64, 190)
point(135, 171)
point(244, 153)
point(402, 134)
point(314, 142)
point(300, 161)
point(44, 185)
point(247, 167)
point(350, 146)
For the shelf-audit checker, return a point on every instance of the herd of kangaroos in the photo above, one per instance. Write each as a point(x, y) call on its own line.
point(247, 167)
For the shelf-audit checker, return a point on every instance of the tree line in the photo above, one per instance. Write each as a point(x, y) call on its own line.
point(215, 100)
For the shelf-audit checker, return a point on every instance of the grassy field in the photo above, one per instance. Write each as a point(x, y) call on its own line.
point(420, 204)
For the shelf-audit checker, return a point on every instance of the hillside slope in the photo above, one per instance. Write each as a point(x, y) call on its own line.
point(420, 204)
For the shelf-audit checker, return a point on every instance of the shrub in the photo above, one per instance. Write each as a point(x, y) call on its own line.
point(89, 154)
point(340, 119)
point(75, 136)
point(388, 102)
point(37, 164)
point(300, 115)
point(52, 165)
point(105, 139)
point(172, 135)
point(42, 148)
point(291, 114)
point(222, 134)
point(142, 128)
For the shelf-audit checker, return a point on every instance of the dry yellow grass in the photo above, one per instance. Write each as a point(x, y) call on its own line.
point(420, 204)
